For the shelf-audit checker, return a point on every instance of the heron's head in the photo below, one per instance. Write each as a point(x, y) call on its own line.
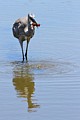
point(33, 21)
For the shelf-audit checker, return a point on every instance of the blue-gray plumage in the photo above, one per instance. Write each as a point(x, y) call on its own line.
point(24, 29)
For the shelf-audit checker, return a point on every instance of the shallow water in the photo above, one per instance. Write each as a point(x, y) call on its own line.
point(48, 85)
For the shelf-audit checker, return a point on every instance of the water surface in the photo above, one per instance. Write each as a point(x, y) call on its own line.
point(48, 85)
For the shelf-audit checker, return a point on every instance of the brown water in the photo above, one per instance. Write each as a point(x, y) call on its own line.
point(48, 86)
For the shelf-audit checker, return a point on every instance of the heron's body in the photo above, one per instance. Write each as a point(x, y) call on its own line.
point(24, 29)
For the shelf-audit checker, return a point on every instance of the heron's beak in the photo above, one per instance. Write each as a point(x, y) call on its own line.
point(36, 24)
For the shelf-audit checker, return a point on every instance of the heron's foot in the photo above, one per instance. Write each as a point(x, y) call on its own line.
point(26, 60)
point(23, 59)
point(26, 57)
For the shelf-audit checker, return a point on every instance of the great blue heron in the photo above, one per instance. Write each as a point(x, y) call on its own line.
point(24, 29)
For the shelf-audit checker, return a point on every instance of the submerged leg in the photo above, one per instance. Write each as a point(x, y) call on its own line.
point(26, 50)
point(21, 43)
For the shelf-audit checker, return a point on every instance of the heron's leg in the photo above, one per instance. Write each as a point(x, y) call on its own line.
point(21, 44)
point(26, 50)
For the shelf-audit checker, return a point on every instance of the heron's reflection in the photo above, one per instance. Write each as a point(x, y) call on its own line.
point(24, 84)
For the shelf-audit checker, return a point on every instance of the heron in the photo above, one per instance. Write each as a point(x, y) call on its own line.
point(24, 29)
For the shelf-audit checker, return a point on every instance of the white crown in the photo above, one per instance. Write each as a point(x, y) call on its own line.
point(31, 15)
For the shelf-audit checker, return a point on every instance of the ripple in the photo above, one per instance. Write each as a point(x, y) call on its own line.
point(45, 67)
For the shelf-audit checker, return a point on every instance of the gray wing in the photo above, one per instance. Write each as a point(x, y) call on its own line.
point(18, 28)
